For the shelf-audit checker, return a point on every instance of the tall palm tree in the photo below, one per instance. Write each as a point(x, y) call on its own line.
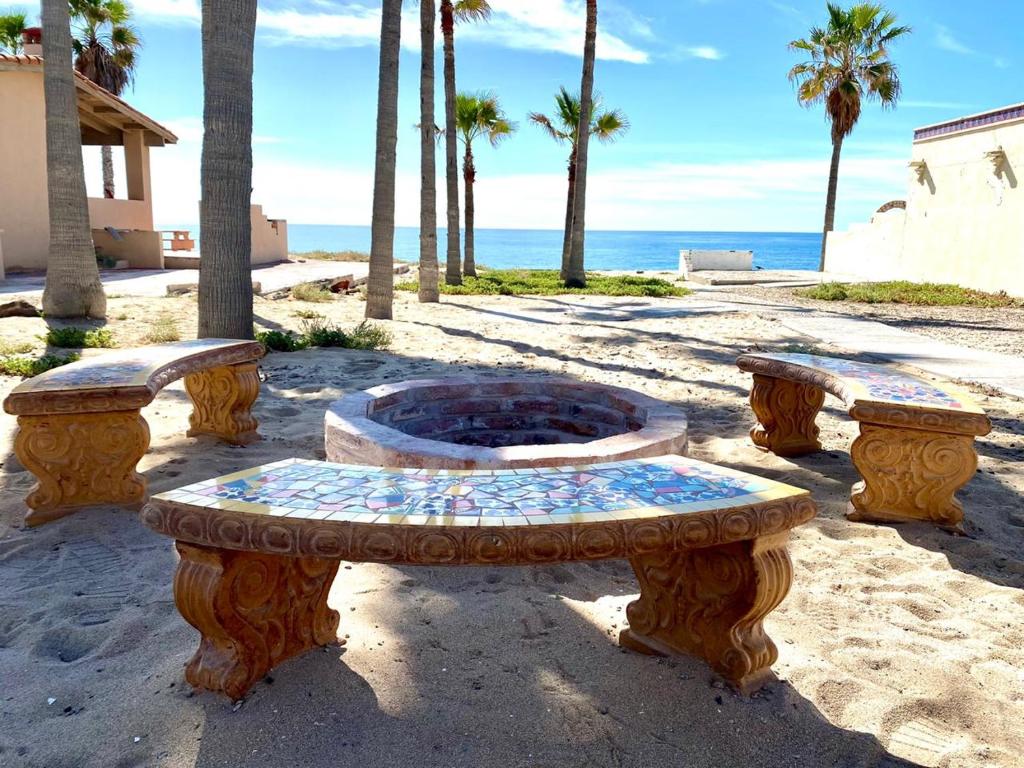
point(428, 182)
point(849, 61)
point(576, 276)
point(380, 284)
point(606, 127)
point(225, 268)
point(105, 47)
point(73, 287)
point(477, 114)
point(11, 26)
point(452, 11)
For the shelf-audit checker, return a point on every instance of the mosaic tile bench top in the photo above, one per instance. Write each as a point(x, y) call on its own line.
point(881, 383)
point(141, 368)
point(642, 488)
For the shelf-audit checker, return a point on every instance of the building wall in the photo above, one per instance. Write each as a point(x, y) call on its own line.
point(269, 237)
point(120, 214)
point(964, 224)
point(24, 210)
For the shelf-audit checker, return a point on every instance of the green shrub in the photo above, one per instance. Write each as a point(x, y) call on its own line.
point(366, 335)
point(311, 292)
point(15, 347)
point(546, 282)
point(79, 338)
point(26, 367)
point(906, 292)
point(281, 341)
point(163, 329)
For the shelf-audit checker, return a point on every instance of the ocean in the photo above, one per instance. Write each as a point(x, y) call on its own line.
point(542, 248)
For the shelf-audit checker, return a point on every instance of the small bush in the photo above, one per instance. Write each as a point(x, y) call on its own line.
point(26, 367)
point(546, 282)
point(281, 341)
point(366, 335)
point(306, 314)
point(79, 338)
point(311, 292)
point(163, 329)
point(906, 292)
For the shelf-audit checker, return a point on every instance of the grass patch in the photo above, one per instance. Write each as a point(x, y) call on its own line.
point(163, 329)
point(8, 348)
point(317, 332)
point(905, 292)
point(306, 314)
point(26, 367)
point(546, 282)
point(332, 255)
point(79, 338)
point(311, 292)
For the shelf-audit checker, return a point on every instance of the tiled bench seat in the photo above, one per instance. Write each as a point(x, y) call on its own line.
point(260, 548)
point(80, 431)
point(916, 443)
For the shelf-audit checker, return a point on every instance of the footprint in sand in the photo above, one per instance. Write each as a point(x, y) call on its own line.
point(67, 644)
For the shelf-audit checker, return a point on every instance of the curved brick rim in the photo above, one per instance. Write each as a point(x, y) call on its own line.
point(499, 423)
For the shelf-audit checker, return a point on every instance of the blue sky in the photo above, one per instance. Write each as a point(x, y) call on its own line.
point(717, 142)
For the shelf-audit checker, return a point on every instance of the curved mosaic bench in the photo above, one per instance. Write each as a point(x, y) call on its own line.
point(260, 548)
point(80, 431)
point(916, 443)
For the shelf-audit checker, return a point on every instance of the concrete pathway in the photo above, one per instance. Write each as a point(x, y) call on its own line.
point(154, 282)
point(952, 361)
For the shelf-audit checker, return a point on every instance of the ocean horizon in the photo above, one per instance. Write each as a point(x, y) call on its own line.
point(542, 248)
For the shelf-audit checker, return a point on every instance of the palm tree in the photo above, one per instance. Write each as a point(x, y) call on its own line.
point(606, 127)
point(73, 287)
point(452, 11)
point(225, 268)
point(381, 280)
point(11, 26)
point(105, 48)
point(477, 114)
point(428, 183)
point(849, 61)
point(576, 276)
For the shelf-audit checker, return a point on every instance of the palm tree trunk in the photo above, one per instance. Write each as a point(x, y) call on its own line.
point(428, 181)
point(73, 287)
point(380, 284)
point(225, 264)
point(570, 198)
point(107, 158)
point(469, 178)
point(830, 198)
point(577, 277)
point(452, 275)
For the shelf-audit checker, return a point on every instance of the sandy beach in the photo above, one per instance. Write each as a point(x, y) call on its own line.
point(899, 645)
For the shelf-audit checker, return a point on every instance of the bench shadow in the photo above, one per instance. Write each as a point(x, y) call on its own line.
point(495, 667)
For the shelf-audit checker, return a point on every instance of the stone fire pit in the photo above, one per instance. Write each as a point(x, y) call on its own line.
point(495, 423)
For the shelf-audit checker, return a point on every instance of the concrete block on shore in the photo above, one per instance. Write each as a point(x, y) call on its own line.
point(723, 261)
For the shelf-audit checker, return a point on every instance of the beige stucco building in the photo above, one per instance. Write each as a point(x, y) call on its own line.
point(122, 229)
point(963, 220)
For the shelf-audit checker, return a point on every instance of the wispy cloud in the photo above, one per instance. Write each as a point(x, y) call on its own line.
point(554, 26)
point(947, 41)
point(703, 52)
point(924, 104)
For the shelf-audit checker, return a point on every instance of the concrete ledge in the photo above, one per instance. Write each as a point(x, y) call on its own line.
point(733, 261)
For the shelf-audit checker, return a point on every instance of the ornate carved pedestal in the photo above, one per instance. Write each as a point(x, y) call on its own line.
point(710, 602)
point(221, 399)
point(785, 411)
point(81, 459)
point(253, 611)
point(910, 474)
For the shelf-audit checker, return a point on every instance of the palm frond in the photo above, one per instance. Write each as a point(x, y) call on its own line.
point(471, 10)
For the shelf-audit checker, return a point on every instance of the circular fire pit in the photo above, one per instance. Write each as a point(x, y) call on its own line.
point(499, 423)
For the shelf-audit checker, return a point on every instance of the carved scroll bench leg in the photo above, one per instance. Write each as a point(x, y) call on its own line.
point(910, 474)
point(81, 459)
point(785, 411)
point(710, 603)
point(221, 399)
point(253, 611)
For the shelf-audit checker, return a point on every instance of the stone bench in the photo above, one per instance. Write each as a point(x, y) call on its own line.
point(80, 431)
point(260, 548)
point(916, 443)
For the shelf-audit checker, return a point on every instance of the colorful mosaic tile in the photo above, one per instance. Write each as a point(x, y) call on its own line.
point(128, 368)
point(619, 490)
point(882, 383)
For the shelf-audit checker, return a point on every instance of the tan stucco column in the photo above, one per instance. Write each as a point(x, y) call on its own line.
point(136, 166)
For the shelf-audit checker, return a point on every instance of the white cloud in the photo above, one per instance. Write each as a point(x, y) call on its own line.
point(554, 26)
point(945, 40)
point(924, 104)
point(704, 52)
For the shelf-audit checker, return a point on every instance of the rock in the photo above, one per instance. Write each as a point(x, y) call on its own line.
point(341, 285)
point(18, 308)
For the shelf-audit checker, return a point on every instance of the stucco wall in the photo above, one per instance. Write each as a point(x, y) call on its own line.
point(964, 223)
point(142, 249)
point(269, 237)
point(733, 261)
point(24, 211)
point(119, 214)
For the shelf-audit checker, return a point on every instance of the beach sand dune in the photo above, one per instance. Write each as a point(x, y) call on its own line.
point(899, 646)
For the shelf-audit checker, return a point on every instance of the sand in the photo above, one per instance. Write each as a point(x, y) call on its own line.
point(898, 646)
